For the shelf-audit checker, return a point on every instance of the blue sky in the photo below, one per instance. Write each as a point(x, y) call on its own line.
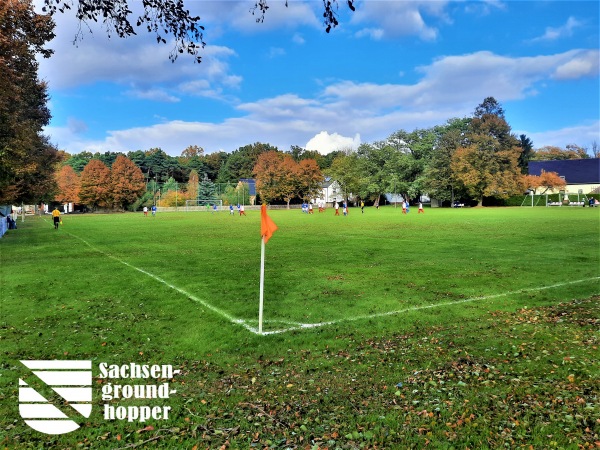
point(389, 66)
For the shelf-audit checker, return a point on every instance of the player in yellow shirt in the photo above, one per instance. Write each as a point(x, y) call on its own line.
point(56, 217)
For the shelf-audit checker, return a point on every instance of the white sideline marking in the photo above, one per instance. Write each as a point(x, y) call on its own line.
point(416, 308)
point(181, 291)
point(303, 326)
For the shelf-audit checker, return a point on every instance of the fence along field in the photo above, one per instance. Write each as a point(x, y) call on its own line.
point(323, 270)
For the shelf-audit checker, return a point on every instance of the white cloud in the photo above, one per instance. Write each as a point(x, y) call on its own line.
point(485, 7)
point(326, 143)
point(566, 30)
point(449, 87)
point(582, 135)
point(392, 19)
point(373, 33)
point(294, 15)
point(158, 95)
point(581, 64)
point(275, 52)
point(298, 39)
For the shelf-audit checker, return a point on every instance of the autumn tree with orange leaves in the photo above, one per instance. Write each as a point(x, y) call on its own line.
point(274, 173)
point(27, 158)
point(309, 179)
point(548, 180)
point(127, 182)
point(68, 185)
point(279, 176)
point(95, 188)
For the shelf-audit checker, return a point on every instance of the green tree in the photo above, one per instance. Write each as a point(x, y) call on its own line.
point(214, 163)
point(439, 180)
point(346, 171)
point(240, 163)
point(526, 153)
point(139, 159)
point(488, 164)
point(207, 191)
point(79, 161)
point(170, 185)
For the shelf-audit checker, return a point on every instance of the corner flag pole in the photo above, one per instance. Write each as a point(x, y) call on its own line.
point(262, 284)
point(267, 228)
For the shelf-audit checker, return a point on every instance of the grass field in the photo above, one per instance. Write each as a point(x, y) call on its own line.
point(455, 328)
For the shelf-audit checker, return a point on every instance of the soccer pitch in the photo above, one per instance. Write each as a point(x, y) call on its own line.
point(474, 327)
point(320, 269)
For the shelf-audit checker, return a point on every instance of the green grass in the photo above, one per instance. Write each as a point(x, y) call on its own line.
point(487, 317)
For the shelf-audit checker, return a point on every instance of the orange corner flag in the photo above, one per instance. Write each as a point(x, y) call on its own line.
point(267, 226)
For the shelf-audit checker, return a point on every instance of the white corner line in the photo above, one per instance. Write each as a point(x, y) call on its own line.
point(306, 326)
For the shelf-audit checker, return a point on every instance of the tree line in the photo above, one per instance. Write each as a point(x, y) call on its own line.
point(469, 158)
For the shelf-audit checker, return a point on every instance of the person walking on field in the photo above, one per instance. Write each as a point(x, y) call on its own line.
point(403, 207)
point(242, 212)
point(145, 211)
point(420, 208)
point(337, 209)
point(362, 207)
point(56, 217)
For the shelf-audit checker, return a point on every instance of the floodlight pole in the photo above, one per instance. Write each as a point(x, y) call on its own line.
point(262, 284)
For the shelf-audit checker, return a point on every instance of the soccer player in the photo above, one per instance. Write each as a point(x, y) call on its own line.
point(420, 208)
point(337, 209)
point(231, 210)
point(242, 212)
point(153, 210)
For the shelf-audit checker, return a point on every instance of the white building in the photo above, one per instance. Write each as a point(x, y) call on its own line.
point(330, 192)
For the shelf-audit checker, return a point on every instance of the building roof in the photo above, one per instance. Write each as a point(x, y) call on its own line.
point(574, 171)
point(327, 182)
point(251, 185)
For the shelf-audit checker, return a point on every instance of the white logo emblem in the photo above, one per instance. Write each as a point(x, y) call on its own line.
point(56, 396)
